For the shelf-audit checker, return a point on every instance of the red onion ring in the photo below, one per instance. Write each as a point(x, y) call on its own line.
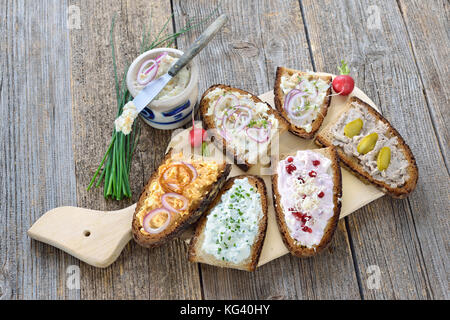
point(190, 166)
point(149, 75)
point(255, 133)
point(289, 104)
point(222, 101)
point(245, 122)
point(167, 205)
point(194, 172)
point(148, 218)
point(161, 56)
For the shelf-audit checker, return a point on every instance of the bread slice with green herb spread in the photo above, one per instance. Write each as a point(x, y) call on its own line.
point(371, 149)
point(242, 124)
point(232, 232)
point(302, 98)
point(307, 191)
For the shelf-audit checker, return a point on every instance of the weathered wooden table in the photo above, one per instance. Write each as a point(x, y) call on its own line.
point(57, 106)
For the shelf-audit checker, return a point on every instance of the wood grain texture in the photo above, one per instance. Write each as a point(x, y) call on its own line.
point(54, 133)
point(407, 239)
point(138, 273)
point(429, 39)
point(36, 158)
point(245, 55)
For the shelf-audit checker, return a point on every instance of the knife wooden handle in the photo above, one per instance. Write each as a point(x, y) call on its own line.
point(198, 44)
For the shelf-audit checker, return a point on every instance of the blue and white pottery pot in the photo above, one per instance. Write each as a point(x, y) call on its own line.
point(172, 112)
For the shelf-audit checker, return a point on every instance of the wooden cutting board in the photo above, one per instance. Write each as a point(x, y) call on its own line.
point(98, 237)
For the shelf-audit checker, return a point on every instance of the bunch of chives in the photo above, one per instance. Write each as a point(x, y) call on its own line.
point(114, 169)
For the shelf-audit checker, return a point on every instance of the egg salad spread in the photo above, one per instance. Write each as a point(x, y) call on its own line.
point(185, 181)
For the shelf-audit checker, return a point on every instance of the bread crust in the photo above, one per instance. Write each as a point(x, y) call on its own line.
point(352, 164)
point(195, 253)
point(165, 236)
point(303, 251)
point(279, 103)
point(218, 140)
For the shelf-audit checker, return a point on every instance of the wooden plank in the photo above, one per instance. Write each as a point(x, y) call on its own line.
point(431, 51)
point(138, 273)
point(245, 54)
point(36, 158)
point(405, 238)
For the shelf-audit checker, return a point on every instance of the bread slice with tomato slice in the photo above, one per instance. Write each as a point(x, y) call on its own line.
point(242, 124)
point(176, 195)
point(307, 191)
point(370, 147)
point(302, 98)
point(231, 233)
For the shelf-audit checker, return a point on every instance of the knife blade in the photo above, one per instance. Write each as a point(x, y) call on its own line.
point(151, 90)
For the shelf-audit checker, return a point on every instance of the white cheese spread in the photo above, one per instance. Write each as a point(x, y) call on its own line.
point(305, 185)
point(125, 121)
point(176, 85)
point(239, 138)
point(315, 90)
point(232, 225)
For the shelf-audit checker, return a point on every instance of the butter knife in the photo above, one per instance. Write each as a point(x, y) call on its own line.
point(151, 90)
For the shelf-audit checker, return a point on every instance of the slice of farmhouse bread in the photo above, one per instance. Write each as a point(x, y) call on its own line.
point(196, 252)
point(297, 248)
point(280, 99)
point(219, 140)
point(326, 137)
point(179, 223)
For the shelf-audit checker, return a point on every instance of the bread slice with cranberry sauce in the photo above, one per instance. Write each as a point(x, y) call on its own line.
point(307, 192)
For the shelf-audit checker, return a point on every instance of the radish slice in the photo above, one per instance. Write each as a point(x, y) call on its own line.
point(167, 205)
point(194, 172)
point(146, 223)
point(147, 72)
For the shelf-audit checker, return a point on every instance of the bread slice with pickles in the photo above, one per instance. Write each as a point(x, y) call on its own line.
point(242, 124)
point(371, 148)
point(175, 197)
point(307, 191)
point(302, 98)
point(232, 232)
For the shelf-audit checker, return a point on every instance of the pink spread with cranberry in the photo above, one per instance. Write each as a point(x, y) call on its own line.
point(305, 185)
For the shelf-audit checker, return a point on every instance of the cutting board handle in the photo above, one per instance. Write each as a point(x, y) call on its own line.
point(95, 237)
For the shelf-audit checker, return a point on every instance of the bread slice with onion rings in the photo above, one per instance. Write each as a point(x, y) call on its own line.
point(303, 99)
point(176, 195)
point(243, 125)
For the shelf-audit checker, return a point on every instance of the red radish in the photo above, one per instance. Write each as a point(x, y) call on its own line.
point(197, 135)
point(343, 84)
